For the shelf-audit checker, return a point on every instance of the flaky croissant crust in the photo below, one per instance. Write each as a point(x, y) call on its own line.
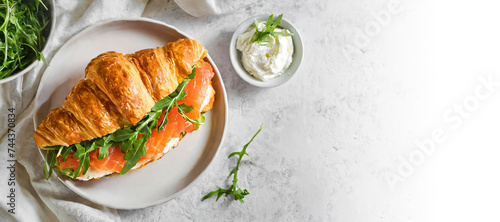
point(117, 91)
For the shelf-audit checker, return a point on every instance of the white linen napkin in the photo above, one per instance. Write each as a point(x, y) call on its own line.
point(199, 8)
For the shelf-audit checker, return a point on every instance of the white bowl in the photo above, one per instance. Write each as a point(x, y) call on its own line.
point(235, 55)
point(52, 13)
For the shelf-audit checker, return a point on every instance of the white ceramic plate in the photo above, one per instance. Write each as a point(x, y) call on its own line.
point(163, 179)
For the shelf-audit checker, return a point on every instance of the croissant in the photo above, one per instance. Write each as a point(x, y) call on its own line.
point(118, 91)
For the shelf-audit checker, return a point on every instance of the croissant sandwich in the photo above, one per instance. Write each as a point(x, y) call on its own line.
point(128, 111)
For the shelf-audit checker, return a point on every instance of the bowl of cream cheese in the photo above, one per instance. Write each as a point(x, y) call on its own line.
point(266, 59)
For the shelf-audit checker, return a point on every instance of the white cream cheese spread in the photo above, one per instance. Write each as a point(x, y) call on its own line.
point(265, 61)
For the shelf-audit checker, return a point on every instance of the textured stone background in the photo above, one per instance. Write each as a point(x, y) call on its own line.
point(330, 133)
point(340, 140)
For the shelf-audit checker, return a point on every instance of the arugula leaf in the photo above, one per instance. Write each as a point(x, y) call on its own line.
point(47, 167)
point(262, 36)
point(182, 108)
point(238, 193)
point(80, 150)
point(178, 94)
point(104, 145)
point(86, 163)
point(65, 152)
point(119, 135)
point(135, 154)
point(219, 193)
point(126, 146)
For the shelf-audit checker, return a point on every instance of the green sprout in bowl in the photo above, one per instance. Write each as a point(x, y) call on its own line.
point(24, 24)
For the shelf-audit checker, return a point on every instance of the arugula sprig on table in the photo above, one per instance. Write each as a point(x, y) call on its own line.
point(262, 36)
point(23, 24)
point(132, 140)
point(238, 193)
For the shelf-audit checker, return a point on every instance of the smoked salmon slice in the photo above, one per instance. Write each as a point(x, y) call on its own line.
point(196, 90)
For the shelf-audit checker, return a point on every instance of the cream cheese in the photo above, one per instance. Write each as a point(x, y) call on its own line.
point(268, 61)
